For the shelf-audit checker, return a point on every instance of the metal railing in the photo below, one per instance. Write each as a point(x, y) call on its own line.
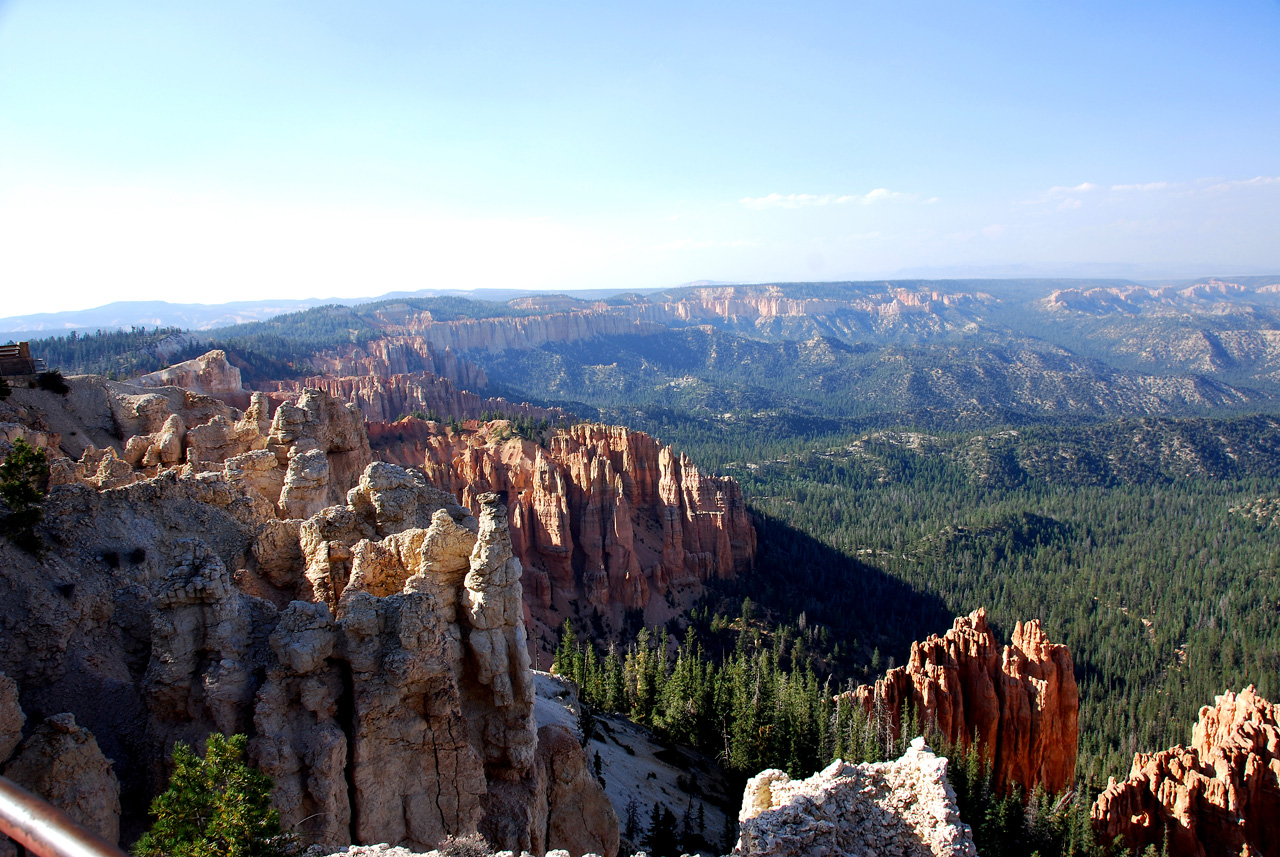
point(45, 830)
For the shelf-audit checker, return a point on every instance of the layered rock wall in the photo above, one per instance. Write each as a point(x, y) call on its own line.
point(605, 520)
point(398, 354)
point(1020, 701)
point(428, 335)
point(385, 399)
point(904, 807)
point(1218, 797)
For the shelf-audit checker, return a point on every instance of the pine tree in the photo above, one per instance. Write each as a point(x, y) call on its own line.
point(24, 481)
point(215, 806)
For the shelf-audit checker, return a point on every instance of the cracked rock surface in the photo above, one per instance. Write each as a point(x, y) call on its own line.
point(903, 808)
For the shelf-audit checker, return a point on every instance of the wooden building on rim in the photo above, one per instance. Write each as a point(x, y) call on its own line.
point(17, 360)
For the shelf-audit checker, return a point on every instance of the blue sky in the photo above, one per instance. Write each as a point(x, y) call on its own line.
point(228, 151)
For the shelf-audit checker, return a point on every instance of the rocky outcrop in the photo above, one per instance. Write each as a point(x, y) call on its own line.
point(604, 520)
point(577, 817)
point(414, 351)
point(415, 340)
point(407, 713)
point(291, 465)
point(393, 702)
point(11, 717)
point(319, 423)
point(1020, 700)
point(385, 399)
point(399, 354)
point(903, 807)
point(209, 374)
point(1218, 797)
point(61, 762)
point(878, 306)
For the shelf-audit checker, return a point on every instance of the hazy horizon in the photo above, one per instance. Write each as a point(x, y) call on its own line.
point(207, 155)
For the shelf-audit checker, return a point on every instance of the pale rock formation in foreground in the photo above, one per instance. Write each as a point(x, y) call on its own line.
point(903, 808)
point(1021, 699)
point(62, 763)
point(1218, 797)
point(373, 646)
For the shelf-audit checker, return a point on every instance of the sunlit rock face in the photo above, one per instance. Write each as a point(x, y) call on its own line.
point(1218, 797)
point(604, 520)
point(901, 807)
point(1020, 700)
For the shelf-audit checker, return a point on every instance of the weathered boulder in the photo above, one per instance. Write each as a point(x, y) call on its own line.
point(904, 807)
point(1020, 700)
point(1218, 797)
point(61, 762)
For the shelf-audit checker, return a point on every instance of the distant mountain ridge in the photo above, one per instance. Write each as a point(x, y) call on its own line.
point(122, 315)
point(1079, 294)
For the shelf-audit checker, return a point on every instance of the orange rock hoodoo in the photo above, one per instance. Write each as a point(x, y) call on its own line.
point(604, 520)
point(1020, 700)
point(1218, 797)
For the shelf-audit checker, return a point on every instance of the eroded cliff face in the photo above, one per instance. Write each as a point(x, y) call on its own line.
point(1020, 700)
point(387, 398)
point(400, 354)
point(1218, 797)
point(372, 645)
point(292, 463)
point(604, 520)
point(416, 340)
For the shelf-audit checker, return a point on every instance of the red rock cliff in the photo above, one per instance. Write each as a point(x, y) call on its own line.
point(1021, 700)
point(605, 520)
point(1218, 797)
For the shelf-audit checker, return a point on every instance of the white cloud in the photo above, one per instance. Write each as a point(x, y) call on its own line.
point(1070, 204)
point(1149, 186)
point(1060, 191)
point(1083, 187)
point(1256, 181)
point(879, 194)
point(995, 230)
point(806, 200)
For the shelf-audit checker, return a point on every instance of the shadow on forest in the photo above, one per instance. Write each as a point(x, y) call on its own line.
point(795, 573)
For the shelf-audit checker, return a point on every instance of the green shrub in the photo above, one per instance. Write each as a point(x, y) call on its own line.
point(217, 806)
point(470, 845)
point(53, 382)
point(24, 481)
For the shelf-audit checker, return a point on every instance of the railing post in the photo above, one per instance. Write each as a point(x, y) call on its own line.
point(45, 830)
